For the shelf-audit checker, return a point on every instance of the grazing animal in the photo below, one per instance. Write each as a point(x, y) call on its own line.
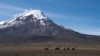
point(47, 48)
point(68, 48)
point(57, 48)
point(64, 49)
point(74, 48)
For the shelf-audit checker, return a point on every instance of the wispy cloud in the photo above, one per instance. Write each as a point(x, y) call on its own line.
point(62, 16)
point(88, 30)
point(7, 10)
point(6, 6)
point(92, 32)
point(70, 17)
point(49, 14)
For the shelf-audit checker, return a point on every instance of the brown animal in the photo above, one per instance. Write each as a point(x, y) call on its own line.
point(57, 48)
point(47, 48)
point(74, 48)
point(68, 48)
point(64, 49)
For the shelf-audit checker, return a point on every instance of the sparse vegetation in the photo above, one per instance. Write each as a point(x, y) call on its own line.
point(49, 50)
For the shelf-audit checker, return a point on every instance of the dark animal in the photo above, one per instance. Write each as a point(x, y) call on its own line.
point(64, 49)
point(74, 48)
point(57, 48)
point(68, 48)
point(47, 48)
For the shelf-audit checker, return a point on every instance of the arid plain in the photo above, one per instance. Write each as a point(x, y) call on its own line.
point(50, 50)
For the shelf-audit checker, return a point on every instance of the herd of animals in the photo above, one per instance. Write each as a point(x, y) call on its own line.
point(59, 47)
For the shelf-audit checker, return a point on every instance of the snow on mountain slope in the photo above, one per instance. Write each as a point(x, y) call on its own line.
point(36, 13)
point(2, 22)
point(18, 19)
point(33, 20)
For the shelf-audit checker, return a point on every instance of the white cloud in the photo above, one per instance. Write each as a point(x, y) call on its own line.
point(70, 17)
point(49, 14)
point(61, 16)
point(89, 30)
point(6, 6)
point(9, 10)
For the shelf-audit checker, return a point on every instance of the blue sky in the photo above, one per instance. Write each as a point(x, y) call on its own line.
point(80, 15)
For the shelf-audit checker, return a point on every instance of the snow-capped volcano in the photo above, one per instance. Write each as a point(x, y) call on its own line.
point(34, 26)
point(36, 15)
point(32, 22)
